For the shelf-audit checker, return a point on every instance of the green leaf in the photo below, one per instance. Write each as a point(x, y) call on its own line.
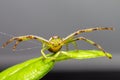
point(35, 69)
point(81, 54)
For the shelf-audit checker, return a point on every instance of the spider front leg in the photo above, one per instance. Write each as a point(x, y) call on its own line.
point(17, 39)
point(93, 43)
point(26, 38)
point(71, 36)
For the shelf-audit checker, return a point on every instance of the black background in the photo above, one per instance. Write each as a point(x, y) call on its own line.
point(91, 75)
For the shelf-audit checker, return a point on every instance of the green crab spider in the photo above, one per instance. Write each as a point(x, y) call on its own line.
point(55, 43)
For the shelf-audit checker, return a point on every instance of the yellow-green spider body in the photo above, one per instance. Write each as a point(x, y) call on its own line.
point(55, 43)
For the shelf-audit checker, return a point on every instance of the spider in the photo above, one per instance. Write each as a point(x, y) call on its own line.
point(55, 43)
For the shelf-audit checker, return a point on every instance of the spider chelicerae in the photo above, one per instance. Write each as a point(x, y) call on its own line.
point(55, 43)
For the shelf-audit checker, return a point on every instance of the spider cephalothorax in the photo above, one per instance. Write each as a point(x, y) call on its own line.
point(55, 43)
